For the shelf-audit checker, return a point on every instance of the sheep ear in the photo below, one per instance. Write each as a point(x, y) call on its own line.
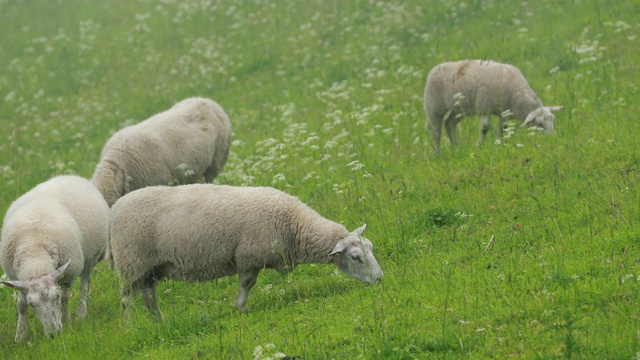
point(59, 273)
point(532, 115)
point(340, 247)
point(19, 285)
point(555, 108)
point(360, 230)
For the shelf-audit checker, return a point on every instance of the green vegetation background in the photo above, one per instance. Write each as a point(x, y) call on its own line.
point(528, 247)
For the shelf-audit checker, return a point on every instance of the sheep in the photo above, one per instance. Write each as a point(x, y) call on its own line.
point(203, 231)
point(189, 142)
point(456, 89)
point(52, 234)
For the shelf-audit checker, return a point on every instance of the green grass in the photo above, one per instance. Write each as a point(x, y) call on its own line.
point(525, 249)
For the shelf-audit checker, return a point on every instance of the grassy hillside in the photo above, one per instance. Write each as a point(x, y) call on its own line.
point(528, 247)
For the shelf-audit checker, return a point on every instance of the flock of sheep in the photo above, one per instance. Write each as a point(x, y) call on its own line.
point(149, 231)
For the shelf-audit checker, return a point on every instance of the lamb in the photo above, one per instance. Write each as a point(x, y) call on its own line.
point(189, 142)
point(52, 234)
point(203, 231)
point(456, 89)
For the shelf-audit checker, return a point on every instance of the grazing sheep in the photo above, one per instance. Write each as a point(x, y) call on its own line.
point(457, 89)
point(188, 142)
point(59, 227)
point(203, 232)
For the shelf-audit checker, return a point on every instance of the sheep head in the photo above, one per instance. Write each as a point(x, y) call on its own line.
point(354, 256)
point(542, 117)
point(45, 296)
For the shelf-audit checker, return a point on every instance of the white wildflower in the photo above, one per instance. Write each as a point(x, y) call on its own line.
point(355, 165)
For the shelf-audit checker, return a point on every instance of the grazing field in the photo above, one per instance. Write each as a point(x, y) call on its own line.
point(525, 247)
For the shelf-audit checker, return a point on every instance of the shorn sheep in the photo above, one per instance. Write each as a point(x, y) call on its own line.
point(189, 142)
point(457, 89)
point(202, 232)
point(52, 234)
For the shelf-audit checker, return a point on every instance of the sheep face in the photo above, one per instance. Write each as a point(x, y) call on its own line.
point(354, 256)
point(46, 299)
point(44, 295)
point(542, 117)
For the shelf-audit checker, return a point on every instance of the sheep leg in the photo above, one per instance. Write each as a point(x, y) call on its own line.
point(452, 131)
point(247, 280)
point(127, 294)
point(22, 332)
point(435, 140)
point(66, 318)
point(484, 128)
point(500, 126)
point(85, 280)
point(210, 173)
point(150, 297)
point(435, 125)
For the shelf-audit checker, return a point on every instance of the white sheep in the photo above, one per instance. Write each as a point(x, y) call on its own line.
point(50, 235)
point(188, 142)
point(457, 89)
point(202, 232)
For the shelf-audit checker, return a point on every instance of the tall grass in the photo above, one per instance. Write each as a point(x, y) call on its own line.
point(527, 247)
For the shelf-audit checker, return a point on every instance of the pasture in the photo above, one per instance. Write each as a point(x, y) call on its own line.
point(525, 247)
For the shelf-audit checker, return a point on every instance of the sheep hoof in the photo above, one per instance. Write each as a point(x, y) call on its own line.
point(81, 313)
point(242, 308)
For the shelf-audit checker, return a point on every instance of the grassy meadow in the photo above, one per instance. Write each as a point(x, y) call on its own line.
point(525, 247)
